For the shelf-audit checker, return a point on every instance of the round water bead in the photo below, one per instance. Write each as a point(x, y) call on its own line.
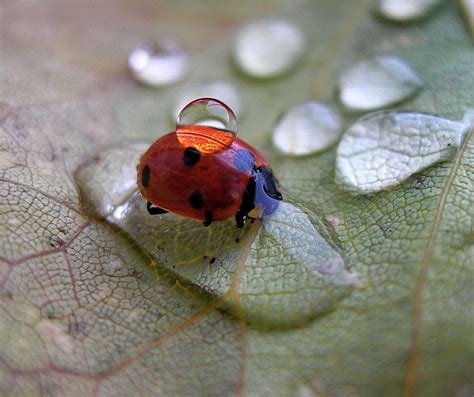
point(406, 10)
point(158, 63)
point(307, 128)
point(382, 149)
point(208, 112)
point(377, 82)
point(268, 48)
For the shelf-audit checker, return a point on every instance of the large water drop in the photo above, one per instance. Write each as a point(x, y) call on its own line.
point(406, 10)
point(376, 83)
point(208, 112)
point(307, 128)
point(382, 149)
point(268, 48)
point(288, 269)
point(158, 63)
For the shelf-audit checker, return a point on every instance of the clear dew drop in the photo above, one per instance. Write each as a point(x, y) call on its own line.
point(314, 251)
point(376, 83)
point(158, 63)
point(307, 128)
point(293, 270)
point(210, 112)
point(406, 10)
point(220, 90)
point(268, 48)
point(383, 149)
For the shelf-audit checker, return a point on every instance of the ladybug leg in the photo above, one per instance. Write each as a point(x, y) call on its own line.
point(239, 219)
point(154, 210)
point(208, 221)
point(247, 204)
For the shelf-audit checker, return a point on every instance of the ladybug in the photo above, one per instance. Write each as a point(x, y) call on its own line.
point(207, 173)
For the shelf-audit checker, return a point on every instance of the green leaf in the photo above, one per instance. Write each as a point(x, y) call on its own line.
point(99, 302)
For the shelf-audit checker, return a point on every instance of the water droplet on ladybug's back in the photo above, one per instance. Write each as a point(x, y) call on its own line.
point(207, 125)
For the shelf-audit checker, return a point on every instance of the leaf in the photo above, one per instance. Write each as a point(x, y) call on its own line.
point(86, 310)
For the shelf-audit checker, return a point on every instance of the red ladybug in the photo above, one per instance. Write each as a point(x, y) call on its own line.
point(206, 173)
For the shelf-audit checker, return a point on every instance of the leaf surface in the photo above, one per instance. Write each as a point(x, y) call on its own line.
point(88, 310)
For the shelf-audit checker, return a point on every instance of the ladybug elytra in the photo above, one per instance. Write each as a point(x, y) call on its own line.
point(207, 173)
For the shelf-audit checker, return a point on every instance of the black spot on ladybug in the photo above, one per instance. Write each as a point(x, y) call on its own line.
point(145, 175)
point(196, 200)
point(191, 156)
point(212, 260)
point(208, 216)
point(269, 183)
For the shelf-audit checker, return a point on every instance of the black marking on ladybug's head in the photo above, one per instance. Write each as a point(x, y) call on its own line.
point(269, 183)
point(145, 176)
point(244, 160)
point(196, 200)
point(191, 156)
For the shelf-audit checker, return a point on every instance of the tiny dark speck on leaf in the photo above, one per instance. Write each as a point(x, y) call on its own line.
point(212, 260)
point(56, 242)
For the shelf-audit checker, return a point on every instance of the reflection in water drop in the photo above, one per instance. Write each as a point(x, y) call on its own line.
point(384, 148)
point(224, 92)
point(208, 112)
point(406, 10)
point(158, 63)
point(109, 178)
point(376, 83)
point(307, 128)
point(268, 48)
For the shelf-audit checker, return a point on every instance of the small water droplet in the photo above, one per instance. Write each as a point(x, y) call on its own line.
point(208, 112)
point(406, 10)
point(382, 149)
point(158, 63)
point(307, 128)
point(224, 92)
point(467, 8)
point(377, 82)
point(268, 48)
